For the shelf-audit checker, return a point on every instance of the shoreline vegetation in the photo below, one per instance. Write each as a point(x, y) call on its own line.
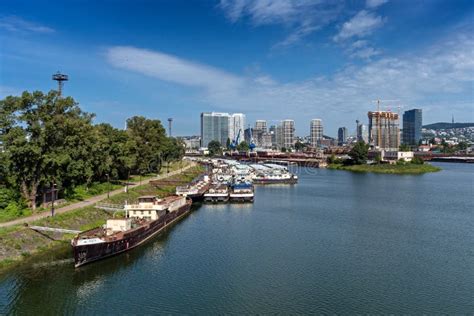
point(359, 157)
point(21, 246)
point(387, 168)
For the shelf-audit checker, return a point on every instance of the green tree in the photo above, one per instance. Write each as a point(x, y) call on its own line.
point(214, 147)
point(148, 143)
point(243, 146)
point(283, 149)
point(299, 146)
point(359, 153)
point(404, 147)
point(46, 139)
point(417, 161)
point(227, 144)
point(462, 146)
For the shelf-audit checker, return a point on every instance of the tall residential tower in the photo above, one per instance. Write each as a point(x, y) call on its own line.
point(316, 132)
point(214, 126)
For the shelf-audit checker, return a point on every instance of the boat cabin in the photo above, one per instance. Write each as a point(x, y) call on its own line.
point(152, 207)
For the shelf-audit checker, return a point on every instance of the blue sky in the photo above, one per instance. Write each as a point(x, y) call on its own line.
point(269, 59)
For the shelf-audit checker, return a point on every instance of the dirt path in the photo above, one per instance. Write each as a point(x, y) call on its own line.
point(90, 201)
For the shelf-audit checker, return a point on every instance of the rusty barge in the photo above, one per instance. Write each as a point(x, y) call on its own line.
point(142, 221)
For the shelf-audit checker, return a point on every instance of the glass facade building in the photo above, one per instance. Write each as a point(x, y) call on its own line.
point(412, 123)
point(214, 126)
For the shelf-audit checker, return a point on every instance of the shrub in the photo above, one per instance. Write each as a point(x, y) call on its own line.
point(417, 161)
point(6, 196)
point(401, 162)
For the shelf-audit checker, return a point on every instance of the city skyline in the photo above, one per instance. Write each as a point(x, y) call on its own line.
point(274, 59)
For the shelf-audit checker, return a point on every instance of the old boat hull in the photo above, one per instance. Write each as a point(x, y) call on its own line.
point(216, 198)
point(275, 181)
point(84, 254)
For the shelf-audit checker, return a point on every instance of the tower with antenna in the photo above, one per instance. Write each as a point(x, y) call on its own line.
point(170, 121)
point(60, 78)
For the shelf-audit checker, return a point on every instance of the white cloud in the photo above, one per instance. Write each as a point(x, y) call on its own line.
point(17, 24)
point(362, 49)
point(375, 3)
point(301, 17)
point(438, 76)
point(173, 69)
point(362, 24)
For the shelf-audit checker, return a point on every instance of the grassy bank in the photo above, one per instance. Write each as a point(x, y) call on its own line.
point(82, 192)
point(19, 244)
point(388, 169)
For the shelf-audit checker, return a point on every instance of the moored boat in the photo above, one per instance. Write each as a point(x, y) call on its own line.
point(218, 192)
point(196, 189)
point(142, 221)
point(241, 192)
point(274, 178)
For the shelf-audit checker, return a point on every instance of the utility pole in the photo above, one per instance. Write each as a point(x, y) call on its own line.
point(108, 186)
point(170, 121)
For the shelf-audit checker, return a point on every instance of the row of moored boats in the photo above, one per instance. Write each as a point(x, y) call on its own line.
point(231, 181)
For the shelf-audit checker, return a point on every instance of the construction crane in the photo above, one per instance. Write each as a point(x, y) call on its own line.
point(378, 122)
point(252, 142)
point(383, 101)
point(235, 141)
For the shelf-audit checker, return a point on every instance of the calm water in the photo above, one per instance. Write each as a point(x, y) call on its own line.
point(336, 242)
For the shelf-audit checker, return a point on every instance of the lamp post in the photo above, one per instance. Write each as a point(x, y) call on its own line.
point(52, 197)
point(108, 186)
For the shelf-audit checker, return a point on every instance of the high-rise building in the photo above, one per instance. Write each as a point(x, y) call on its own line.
point(214, 126)
point(341, 136)
point(412, 123)
point(316, 132)
point(261, 125)
point(384, 132)
point(288, 130)
point(236, 123)
point(273, 132)
point(361, 132)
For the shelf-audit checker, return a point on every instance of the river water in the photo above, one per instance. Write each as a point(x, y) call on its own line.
point(337, 242)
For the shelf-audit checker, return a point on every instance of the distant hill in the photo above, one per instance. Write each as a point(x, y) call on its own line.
point(443, 125)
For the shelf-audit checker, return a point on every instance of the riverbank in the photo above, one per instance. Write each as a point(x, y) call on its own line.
point(91, 200)
point(19, 244)
point(388, 168)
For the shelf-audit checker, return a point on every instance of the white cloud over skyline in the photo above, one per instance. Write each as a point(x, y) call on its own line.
point(440, 77)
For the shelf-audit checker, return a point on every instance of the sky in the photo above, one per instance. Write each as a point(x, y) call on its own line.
point(268, 59)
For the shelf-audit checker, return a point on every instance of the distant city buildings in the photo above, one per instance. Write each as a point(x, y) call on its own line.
point(288, 130)
point(214, 126)
point(191, 142)
point(316, 132)
point(341, 136)
point(412, 124)
point(236, 124)
point(261, 125)
point(220, 127)
point(384, 132)
point(362, 133)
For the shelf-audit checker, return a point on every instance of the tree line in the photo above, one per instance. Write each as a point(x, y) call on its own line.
point(46, 139)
